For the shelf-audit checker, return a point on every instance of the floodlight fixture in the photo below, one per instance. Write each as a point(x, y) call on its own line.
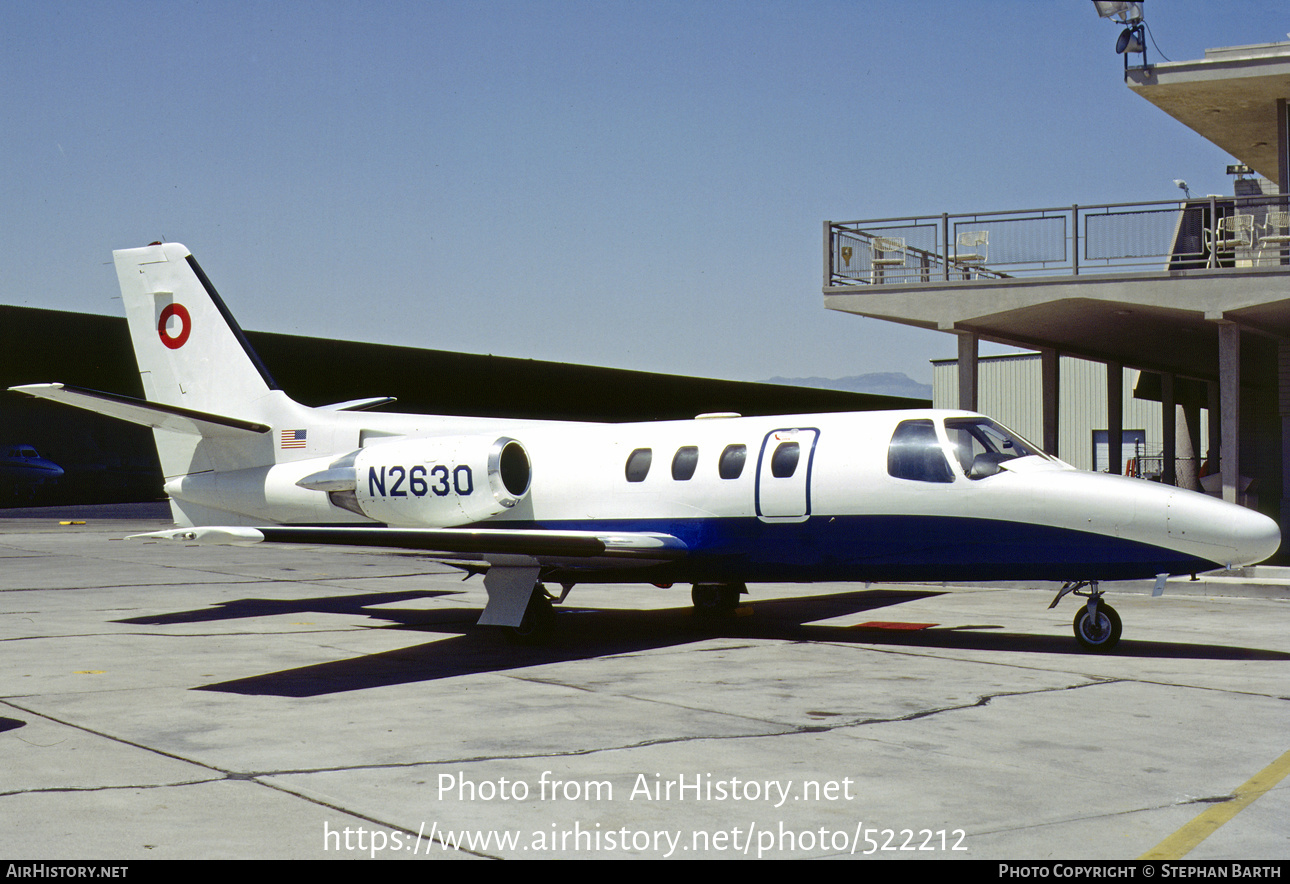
point(1127, 13)
point(1133, 39)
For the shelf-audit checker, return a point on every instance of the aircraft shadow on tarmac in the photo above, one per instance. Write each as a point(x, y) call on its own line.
point(339, 604)
point(584, 633)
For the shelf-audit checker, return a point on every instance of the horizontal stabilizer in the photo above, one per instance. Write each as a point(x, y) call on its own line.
point(225, 536)
point(478, 541)
point(359, 404)
point(149, 414)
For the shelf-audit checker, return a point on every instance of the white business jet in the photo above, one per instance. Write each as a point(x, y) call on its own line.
point(715, 502)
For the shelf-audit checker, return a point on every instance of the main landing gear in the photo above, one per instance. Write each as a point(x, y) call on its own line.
point(714, 601)
point(538, 624)
point(1097, 626)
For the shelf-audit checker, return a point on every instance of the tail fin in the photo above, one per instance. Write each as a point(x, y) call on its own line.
point(190, 350)
point(212, 405)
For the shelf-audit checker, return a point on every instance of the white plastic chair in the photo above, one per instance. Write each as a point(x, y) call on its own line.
point(1234, 232)
point(971, 250)
point(888, 251)
point(1274, 229)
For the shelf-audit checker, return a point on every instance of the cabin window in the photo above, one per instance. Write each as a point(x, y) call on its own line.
point(684, 463)
point(783, 463)
point(915, 453)
point(732, 460)
point(638, 464)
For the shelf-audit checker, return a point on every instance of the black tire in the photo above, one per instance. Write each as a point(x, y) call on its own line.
point(716, 599)
point(538, 624)
point(1100, 636)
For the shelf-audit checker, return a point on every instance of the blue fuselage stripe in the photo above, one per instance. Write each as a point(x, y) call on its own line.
point(897, 548)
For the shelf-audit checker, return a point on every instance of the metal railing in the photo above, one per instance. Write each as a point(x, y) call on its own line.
point(1208, 233)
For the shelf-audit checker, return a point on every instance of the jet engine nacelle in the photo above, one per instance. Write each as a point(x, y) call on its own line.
point(441, 482)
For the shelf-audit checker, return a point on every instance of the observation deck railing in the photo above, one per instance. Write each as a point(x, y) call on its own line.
point(1209, 233)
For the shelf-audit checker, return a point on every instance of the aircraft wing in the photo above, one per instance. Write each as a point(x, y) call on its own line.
point(515, 557)
point(643, 547)
point(149, 414)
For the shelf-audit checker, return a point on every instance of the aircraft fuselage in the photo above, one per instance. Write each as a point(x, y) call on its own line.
point(837, 512)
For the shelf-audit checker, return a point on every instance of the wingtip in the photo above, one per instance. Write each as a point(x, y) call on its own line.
point(34, 390)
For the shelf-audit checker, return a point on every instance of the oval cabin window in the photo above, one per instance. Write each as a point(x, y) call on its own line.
point(638, 464)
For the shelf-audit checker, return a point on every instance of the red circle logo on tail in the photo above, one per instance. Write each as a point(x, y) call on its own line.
point(176, 340)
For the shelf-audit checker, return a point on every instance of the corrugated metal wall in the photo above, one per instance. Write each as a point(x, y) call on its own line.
point(1010, 391)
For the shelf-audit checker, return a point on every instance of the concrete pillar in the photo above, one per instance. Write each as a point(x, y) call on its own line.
point(1229, 394)
point(1283, 145)
point(1187, 434)
point(1283, 347)
point(1283, 408)
point(1169, 430)
point(967, 371)
point(1114, 416)
point(1215, 440)
point(1050, 363)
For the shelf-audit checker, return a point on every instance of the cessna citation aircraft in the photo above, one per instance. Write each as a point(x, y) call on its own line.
point(23, 470)
point(715, 502)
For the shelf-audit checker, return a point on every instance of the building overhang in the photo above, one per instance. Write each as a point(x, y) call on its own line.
point(1165, 322)
point(1229, 97)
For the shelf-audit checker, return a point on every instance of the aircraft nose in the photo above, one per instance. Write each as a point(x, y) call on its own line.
point(1243, 535)
point(1257, 537)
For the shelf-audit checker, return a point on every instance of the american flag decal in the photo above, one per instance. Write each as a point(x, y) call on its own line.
point(293, 438)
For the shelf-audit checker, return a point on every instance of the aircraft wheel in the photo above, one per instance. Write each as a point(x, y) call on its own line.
point(1099, 634)
point(538, 624)
point(716, 599)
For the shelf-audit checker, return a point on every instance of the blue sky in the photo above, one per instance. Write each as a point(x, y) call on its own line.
point(638, 185)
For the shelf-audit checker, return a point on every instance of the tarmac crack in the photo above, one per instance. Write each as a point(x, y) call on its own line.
point(115, 739)
point(52, 790)
point(1200, 687)
point(132, 586)
point(788, 728)
point(1085, 818)
point(222, 776)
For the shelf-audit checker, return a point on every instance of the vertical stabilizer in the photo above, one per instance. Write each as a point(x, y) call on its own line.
point(193, 355)
point(190, 350)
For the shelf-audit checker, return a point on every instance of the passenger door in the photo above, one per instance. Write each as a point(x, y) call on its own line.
point(783, 491)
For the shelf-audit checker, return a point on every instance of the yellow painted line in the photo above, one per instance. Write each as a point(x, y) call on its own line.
point(1182, 842)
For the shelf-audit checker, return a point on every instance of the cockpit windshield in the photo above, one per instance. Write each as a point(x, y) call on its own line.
point(981, 445)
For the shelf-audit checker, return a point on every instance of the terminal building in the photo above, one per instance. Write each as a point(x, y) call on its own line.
point(1192, 297)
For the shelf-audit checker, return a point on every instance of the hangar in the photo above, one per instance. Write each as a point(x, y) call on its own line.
point(1194, 291)
point(109, 461)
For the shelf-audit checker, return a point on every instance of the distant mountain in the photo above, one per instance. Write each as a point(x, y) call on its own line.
point(883, 383)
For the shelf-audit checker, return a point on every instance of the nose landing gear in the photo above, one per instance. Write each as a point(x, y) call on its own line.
point(1097, 625)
